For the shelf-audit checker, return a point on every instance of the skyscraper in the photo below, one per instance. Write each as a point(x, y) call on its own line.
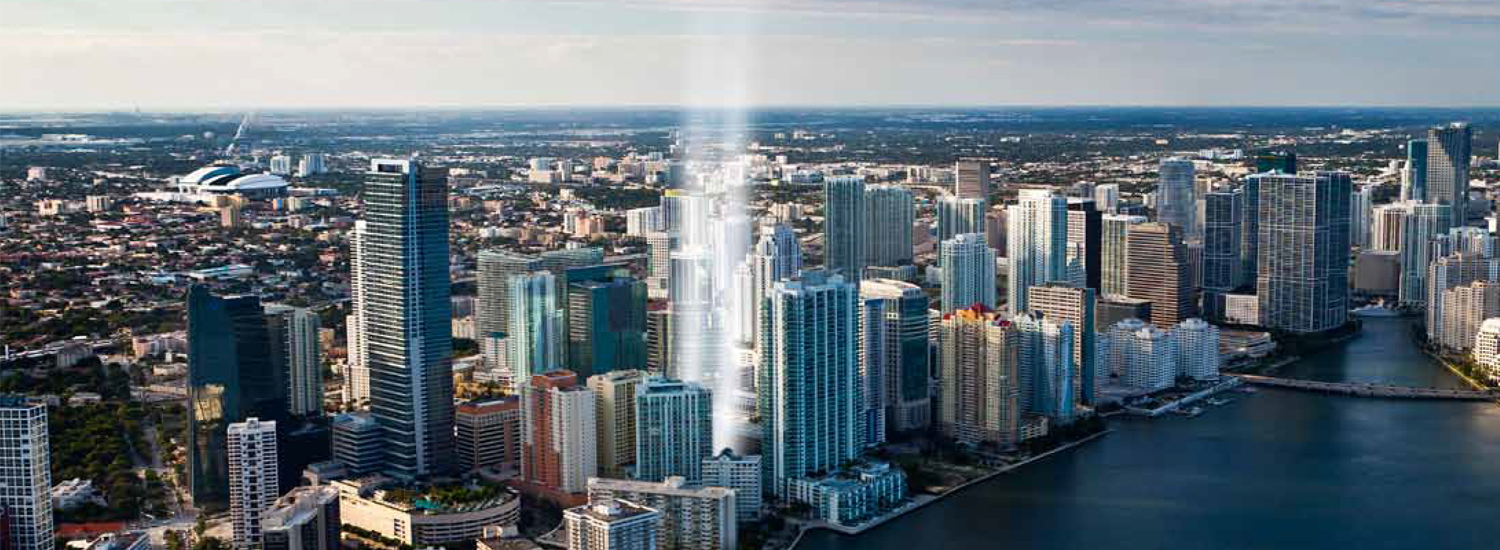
point(968, 275)
point(957, 216)
point(1198, 354)
point(872, 368)
point(1060, 303)
point(1361, 214)
point(1448, 152)
point(673, 429)
point(1157, 271)
point(27, 476)
point(1276, 161)
point(557, 432)
point(1143, 356)
point(356, 375)
point(1085, 243)
point(489, 435)
point(1113, 254)
point(978, 364)
point(615, 419)
point(232, 376)
point(1046, 370)
point(294, 346)
point(776, 256)
point(1414, 177)
point(971, 179)
point(809, 391)
point(1107, 197)
point(606, 325)
point(1038, 234)
point(1465, 307)
point(1385, 226)
point(1420, 224)
point(844, 226)
point(890, 211)
point(1449, 272)
point(661, 244)
point(1176, 195)
point(1222, 225)
point(493, 306)
point(904, 363)
point(252, 478)
point(1303, 284)
point(407, 318)
point(535, 338)
point(995, 226)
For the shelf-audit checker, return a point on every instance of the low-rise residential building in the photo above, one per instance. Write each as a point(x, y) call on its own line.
point(852, 496)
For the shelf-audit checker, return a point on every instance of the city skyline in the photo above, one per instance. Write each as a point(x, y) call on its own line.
point(112, 55)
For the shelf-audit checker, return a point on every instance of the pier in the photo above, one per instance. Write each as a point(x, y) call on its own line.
point(1371, 390)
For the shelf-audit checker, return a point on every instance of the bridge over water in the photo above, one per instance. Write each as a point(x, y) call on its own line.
point(1371, 390)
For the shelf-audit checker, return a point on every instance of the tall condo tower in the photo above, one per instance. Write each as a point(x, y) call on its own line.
point(1038, 246)
point(890, 212)
point(407, 315)
point(844, 226)
point(1303, 284)
point(810, 397)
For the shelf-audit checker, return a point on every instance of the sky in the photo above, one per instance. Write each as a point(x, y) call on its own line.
point(267, 54)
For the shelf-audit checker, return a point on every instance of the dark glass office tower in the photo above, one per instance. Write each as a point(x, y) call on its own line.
point(606, 325)
point(407, 310)
point(1448, 151)
point(231, 376)
point(1414, 187)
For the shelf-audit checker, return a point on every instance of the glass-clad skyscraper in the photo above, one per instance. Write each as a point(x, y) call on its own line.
point(232, 376)
point(844, 226)
point(407, 315)
point(1448, 152)
point(1303, 284)
point(890, 212)
point(810, 397)
point(606, 325)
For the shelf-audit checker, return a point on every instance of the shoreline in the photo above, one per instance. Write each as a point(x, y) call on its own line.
point(919, 504)
point(1474, 384)
point(1461, 376)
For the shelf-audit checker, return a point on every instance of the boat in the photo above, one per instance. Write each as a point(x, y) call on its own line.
point(1218, 402)
point(1375, 310)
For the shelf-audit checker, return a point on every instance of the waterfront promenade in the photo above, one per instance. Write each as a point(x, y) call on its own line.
point(1370, 390)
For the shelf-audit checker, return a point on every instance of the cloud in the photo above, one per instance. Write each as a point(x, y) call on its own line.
point(1219, 14)
point(835, 52)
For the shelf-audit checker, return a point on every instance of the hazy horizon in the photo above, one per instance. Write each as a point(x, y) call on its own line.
point(101, 55)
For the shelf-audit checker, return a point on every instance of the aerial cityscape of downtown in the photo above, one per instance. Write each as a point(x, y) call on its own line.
point(749, 274)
